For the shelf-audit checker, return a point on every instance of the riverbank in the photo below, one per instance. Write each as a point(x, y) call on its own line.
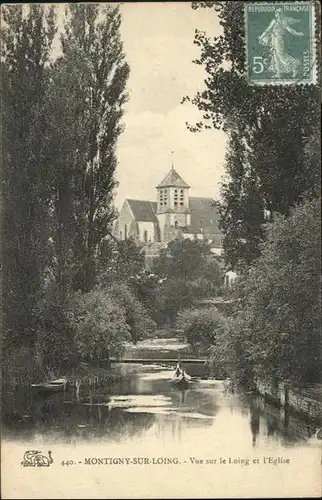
point(306, 401)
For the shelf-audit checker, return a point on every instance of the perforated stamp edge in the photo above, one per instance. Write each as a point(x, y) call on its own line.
point(315, 36)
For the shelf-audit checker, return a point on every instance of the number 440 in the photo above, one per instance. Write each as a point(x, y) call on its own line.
point(259, 64)
point(67, 462)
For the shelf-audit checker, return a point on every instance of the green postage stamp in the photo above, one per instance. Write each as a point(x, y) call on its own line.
point(280, 43)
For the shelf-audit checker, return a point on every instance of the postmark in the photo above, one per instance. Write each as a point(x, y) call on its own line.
point(280, 43)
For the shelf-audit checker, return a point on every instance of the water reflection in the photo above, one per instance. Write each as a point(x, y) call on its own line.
point(142, 402)
point(254, 423)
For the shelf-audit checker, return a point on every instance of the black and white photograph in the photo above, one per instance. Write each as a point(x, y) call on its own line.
point(161, 250)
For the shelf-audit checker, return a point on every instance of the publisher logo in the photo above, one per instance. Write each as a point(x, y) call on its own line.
point(34, 458)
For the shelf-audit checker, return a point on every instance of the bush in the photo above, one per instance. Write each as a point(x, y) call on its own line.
point(140, 325)
point(201, 326)
point(100, 325)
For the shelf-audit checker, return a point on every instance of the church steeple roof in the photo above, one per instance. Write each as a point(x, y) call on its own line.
point(173, 179)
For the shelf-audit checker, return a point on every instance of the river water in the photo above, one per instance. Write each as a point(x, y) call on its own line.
point(142, 417)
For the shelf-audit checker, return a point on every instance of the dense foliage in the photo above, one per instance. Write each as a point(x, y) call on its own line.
point(275, 333)
point(201, 326)
point(100, 325)
point(86, 106)
point(25, 227)
point(139, 322)
point(268, 209)
point(125, 278)
point(61, 122)
point(269, 131)
point(121, 261)
point(55, 347)
point(69, 290)
point(188, 272)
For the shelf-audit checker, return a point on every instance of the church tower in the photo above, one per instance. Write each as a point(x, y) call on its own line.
point(172, 204)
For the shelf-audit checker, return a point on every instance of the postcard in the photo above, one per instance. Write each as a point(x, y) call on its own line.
point(160, 217)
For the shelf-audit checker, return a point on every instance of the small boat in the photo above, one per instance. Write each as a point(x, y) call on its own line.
point(182, 381)
point(53, 386)
point(177, 371)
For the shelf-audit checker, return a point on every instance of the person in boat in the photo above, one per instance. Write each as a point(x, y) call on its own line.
point(178, 370)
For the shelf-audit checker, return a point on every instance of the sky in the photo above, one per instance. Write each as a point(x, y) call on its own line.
point(158, 44)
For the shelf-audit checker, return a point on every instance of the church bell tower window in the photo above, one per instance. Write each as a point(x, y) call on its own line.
point(181, 197)
point(165, 198)
point(161, 197)
point(175, 197)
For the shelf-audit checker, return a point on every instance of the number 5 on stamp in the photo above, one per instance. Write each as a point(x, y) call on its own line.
point(280, 43)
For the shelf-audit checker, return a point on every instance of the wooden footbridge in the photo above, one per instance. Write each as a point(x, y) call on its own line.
point(149, 361)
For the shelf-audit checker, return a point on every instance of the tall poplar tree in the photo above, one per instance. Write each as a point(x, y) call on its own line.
point(88, 93)
point(27, 35)
point(269, 129)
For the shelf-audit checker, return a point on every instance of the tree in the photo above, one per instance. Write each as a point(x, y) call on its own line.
point(242, 210)
point(276, 329)
point(122, 268)
point(201, 326)
point(139, 323)
point(121, 261)
point(100, 325)
point(187, 272)
point(173, 295)
point(55, 347)
point(145, 287)
point(230, 353)
point(268, 127)
point(27, 37)
point(181, 259)
point(88, 93)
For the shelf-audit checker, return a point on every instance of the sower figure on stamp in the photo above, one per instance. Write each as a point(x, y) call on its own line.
point(273, 37)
